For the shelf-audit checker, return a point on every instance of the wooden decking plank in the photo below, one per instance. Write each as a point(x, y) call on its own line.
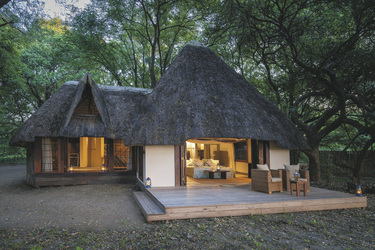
point(286, 206)
point(147, 205)
point(218, 211)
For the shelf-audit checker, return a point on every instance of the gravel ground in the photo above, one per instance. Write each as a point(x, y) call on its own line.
point(106, 216)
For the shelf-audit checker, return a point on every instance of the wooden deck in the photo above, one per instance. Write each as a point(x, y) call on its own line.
point(235, 198)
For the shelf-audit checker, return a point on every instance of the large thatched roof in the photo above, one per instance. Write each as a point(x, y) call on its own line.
point(199, 96)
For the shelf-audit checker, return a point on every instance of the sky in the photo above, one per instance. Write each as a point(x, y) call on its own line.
point(53, 9)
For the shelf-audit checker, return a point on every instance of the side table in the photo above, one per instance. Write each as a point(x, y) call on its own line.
point(298, 187)
point(211, 173)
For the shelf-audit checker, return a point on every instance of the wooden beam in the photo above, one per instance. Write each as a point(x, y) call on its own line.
point(30, 171)
point(183, 172)
point(61, 154)
point(177, 165)
point(57, 179)
point(267, 151)
point(260, 152)
point(137, 160)
point(110, 155)
point(38, 155)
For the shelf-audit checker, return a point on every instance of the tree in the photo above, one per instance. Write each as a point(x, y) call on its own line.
point(3, 2)
point(11, 102)
point(46, 60)
point(20, 14)
point(311, 54)
point(134, 40)
point(35, 64)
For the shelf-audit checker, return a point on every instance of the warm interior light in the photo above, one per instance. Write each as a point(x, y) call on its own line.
point(103, 168)
point(71, 169)
point(190, 145)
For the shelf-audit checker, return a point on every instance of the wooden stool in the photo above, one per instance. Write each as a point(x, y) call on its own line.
point(297, 187)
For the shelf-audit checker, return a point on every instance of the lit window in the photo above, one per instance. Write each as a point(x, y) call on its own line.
point(121, 155)
point(240, 151)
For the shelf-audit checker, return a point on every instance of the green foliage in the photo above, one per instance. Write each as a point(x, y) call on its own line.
point(36, 248)
point(46, 60)
point(134, 41)
point(9, 52)
point(315, 58)
point(33, 65)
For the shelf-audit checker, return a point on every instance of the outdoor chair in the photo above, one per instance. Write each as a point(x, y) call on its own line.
point(288, 173)
point(265, 180)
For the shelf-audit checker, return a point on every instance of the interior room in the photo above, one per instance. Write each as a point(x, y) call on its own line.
point(204, 155)
point(89, 154)
point(86, 154)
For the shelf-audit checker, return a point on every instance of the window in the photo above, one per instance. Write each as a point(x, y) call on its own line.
point(49, 155)
point(121, 155)
point(73, 152)
point(240, 151)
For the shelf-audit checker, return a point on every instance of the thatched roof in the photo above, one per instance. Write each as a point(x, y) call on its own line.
point(56, 118)
point(199, 96)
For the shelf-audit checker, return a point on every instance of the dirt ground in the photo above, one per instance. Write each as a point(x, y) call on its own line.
point(106, 217)
point(83, 207)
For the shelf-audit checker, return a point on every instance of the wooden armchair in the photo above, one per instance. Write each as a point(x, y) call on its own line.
point(266, 181)
point(288, 173)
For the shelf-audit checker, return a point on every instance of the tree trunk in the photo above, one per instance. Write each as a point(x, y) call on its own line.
point(152, 66)
point(314, 164)
point(358, 163)
point(294, 156)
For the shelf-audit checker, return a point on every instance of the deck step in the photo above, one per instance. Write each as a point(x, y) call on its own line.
point(148, 206)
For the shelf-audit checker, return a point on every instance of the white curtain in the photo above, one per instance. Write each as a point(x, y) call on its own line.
point(46, 155)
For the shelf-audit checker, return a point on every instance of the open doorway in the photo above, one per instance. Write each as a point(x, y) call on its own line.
point(97, 154)
point(214, 160)
point(86, 154)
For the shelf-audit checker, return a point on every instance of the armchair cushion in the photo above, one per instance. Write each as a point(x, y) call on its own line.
point(276, 179)
point(292, 169)
point(305, 176)
point(262, 167)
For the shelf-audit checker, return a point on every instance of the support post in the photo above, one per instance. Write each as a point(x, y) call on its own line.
point(38, 155)
point(110, 155)
point(61, 154)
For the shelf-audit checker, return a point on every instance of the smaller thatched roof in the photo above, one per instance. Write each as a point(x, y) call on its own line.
point(56, 118)
point(199, 96)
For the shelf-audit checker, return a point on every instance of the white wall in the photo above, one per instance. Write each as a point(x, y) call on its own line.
point(278, 156)
point(159, 165)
